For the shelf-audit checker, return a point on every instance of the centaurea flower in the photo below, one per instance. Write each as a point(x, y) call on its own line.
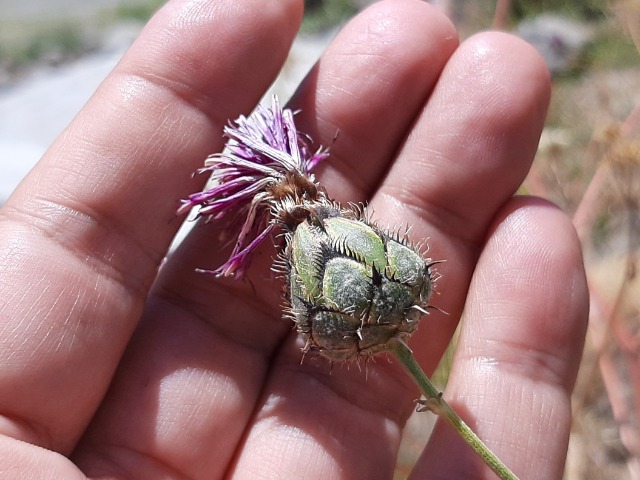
point(351, 286)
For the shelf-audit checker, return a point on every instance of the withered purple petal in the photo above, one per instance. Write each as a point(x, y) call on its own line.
point(263, 151)
point(239, 262)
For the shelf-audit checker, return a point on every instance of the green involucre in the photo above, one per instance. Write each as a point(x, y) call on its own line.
point(353, 287)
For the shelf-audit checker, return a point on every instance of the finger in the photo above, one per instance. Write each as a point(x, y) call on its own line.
point(368, 88)
point(467, 154)
point(519, 348)
point(83, 235)
point(198, 328)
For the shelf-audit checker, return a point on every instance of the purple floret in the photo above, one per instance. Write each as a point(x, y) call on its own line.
point(262, 151)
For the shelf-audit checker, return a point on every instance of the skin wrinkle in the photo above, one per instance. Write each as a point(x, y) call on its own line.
point(186, 22)
point(132, 88)
point(49, 322)
point(15, 296)
point(289, 444)
point(252, 305)
point(339, 167)
point(108, 159)
point(493, 385)
point(25, 345)
point(50, 465)
point(123, 458)
point(104, 265)
point(195, 253)
point(453, 229)
point(72, 328)
point(550, 258)
point(480, 64)
point(542, 404)
point(385, 28)
point(382, 28)
point(200, 94)
point(23, 430)
point(154, 85)
point(332, 441)
point(36, 354)
point(473, 75)
point(194, 13)
point(47, 325)
point(537, 366)
point(387, 375)
point(172, 116)
point(71, 175)
point(238, 340)
point(159, 136)
point(174, 400)
point(311, 378)
point(458, 223)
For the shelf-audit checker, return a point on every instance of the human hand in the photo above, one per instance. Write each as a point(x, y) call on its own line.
point(111, 369)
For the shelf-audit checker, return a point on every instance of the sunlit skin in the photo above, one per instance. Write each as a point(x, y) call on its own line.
point(112, 368)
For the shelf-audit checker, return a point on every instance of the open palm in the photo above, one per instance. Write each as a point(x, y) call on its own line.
point(112, 368)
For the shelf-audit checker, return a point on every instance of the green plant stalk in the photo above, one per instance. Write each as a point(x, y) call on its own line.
point(440, 407)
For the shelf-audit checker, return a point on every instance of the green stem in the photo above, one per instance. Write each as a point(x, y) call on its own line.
point(437, 405)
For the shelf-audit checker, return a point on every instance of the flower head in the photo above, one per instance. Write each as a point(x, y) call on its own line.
point(266, 165)
point(352, 288)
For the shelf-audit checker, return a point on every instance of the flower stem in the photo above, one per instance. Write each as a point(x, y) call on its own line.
point(437, 405)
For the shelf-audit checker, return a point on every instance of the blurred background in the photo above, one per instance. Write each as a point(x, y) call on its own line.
point(54, 53)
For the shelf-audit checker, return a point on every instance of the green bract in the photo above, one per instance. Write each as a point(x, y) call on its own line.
point(353, 287)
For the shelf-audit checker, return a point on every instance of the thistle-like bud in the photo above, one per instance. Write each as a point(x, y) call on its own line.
point(351, 287)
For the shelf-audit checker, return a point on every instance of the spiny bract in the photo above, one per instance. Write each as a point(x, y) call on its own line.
point(352, 287)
